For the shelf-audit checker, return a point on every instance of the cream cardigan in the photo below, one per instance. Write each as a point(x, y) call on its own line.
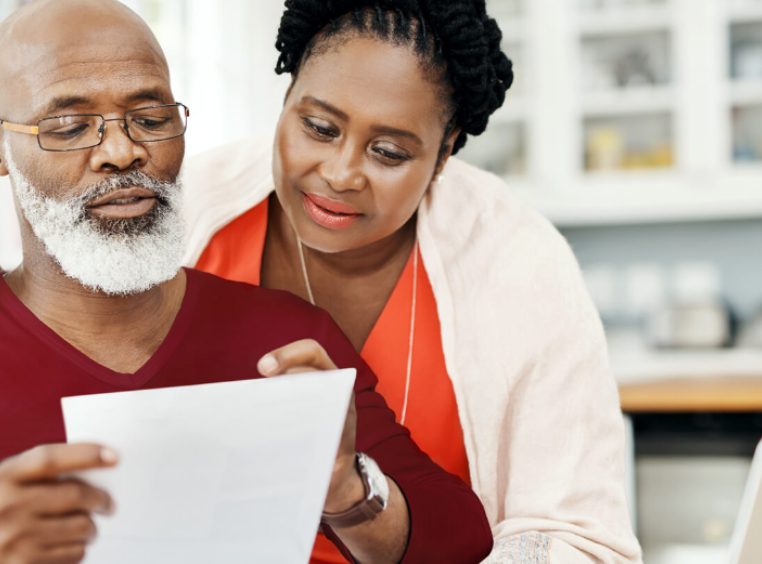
point(523, 345)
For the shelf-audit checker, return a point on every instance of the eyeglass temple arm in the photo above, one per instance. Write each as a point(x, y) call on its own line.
point(19, 128)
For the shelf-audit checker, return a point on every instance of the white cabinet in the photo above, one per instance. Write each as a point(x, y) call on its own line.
point(631, 110)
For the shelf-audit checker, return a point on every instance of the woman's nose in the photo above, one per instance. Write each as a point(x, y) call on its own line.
point(344, 171)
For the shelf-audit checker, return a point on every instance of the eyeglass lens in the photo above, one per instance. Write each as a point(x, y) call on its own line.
point(69, 133)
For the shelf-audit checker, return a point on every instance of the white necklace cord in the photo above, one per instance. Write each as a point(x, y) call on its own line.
point(304, 270)
point(413, 311)
point(411, 336)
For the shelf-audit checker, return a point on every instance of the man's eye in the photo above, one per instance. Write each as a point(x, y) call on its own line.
point(151, 123)
point(320, 130)
point(69, 131)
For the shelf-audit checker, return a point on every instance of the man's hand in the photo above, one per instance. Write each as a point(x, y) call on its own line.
point(346, 487)
point(45, 516)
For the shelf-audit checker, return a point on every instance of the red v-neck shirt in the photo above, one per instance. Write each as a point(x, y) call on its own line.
point(219, 334)
point(235, 253)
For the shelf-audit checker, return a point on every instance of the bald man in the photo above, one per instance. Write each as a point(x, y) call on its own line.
point(92, 139)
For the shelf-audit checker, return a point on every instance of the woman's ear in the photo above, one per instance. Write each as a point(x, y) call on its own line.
point(446, 151)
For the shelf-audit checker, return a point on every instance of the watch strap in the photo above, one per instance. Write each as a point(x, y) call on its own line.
point(365, 510)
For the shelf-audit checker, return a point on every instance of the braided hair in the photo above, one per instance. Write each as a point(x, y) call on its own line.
point(454, 38)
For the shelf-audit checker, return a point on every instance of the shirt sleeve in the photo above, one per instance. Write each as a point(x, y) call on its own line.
point(447, 520)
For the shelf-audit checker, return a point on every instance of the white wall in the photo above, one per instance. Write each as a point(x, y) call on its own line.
point(222, 55)
point(231, 86)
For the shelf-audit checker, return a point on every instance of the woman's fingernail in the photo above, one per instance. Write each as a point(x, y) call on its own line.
point(267, 364)
point(109, 456)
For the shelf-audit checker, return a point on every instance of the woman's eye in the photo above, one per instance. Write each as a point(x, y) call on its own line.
point(321, 130)
point(391, 156)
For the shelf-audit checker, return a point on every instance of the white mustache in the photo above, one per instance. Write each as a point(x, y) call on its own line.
point(135, 179)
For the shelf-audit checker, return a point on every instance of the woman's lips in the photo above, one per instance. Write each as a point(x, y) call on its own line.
point(330, 213)
point(123, 204)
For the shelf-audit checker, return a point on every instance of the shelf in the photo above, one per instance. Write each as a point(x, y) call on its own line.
point(724, 394)
point(624, 21)
point(752, 170)
point(649, 197)
point(628, 101)
point(638, 368)
point(746, 93)
point(686, 554)
point(650, 367)
point(746, 12)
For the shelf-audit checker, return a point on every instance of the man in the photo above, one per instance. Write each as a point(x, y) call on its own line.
point(92, 139)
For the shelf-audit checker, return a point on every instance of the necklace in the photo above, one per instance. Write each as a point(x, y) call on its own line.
point(411, 334)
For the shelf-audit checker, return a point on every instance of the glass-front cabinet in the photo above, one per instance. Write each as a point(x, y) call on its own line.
point(631, 110)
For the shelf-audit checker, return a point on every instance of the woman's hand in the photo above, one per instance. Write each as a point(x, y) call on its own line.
point(346, 488)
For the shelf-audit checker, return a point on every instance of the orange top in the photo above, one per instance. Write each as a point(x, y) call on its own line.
point(235, 252)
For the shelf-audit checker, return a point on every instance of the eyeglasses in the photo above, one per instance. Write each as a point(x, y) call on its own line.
point(84, 131)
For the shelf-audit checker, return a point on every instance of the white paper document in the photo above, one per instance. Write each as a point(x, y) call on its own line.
point(234, 472)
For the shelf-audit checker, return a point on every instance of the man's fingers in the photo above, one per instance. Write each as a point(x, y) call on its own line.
point(299, 356)
point(73, 528)
point(65, 554)
point(51, 461)
point(65, 497)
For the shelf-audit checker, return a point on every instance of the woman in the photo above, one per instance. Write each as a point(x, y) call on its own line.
point(469, 307)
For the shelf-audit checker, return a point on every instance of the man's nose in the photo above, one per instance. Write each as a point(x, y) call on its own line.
point(117, 150)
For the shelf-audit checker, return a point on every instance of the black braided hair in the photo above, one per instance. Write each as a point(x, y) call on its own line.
point(455, 38)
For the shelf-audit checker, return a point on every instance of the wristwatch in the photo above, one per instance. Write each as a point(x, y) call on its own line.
point(375, 501)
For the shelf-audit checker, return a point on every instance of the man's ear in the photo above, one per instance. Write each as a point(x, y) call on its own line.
point(3, 167)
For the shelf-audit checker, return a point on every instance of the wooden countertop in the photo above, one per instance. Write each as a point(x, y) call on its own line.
point(716, 394)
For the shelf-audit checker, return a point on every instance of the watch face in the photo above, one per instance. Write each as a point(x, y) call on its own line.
point(379, 486)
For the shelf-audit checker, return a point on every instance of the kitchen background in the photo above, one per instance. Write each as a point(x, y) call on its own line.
point(636, 127)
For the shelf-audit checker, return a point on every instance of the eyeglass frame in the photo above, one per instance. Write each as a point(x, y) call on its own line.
point(35, 129)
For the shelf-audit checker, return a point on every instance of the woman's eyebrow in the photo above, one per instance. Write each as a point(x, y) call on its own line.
point(326, 106)
point(379, 129)
point(394, 132)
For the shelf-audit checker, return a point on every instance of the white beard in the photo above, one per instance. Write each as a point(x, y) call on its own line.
point(130, 258)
